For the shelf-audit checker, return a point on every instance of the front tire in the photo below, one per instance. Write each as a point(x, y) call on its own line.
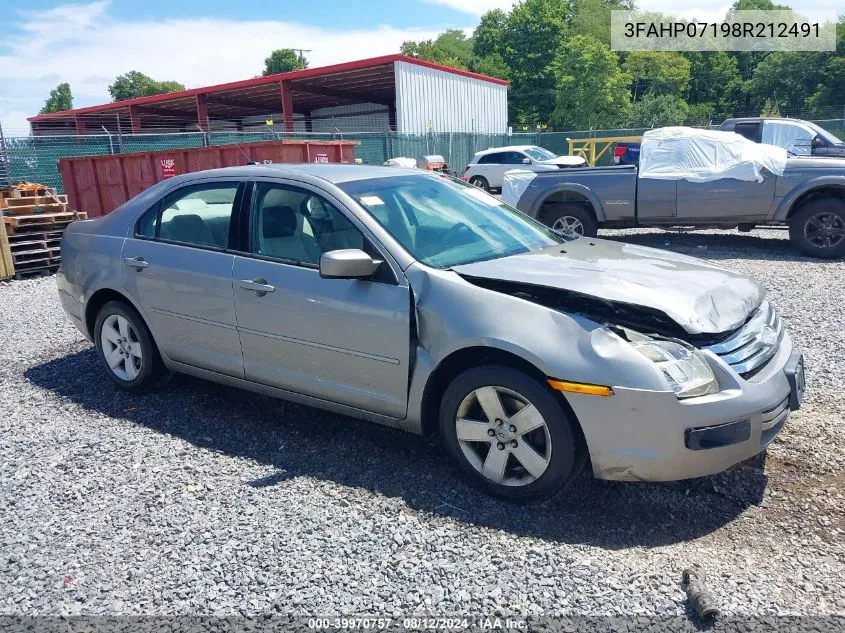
point(480, 182)
point(818, 228)
point(571, 219)
point(126, 348)
point(508, 434)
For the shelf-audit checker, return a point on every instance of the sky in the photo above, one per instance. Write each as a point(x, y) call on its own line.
point(201, 42)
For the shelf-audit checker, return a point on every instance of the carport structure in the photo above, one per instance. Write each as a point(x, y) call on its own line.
point(367, 91)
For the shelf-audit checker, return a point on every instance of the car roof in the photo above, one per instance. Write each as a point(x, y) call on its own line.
point(330, 172)
point(507, 148)
point(755, 119)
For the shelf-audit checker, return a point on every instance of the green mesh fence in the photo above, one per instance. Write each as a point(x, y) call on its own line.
point(35, 158)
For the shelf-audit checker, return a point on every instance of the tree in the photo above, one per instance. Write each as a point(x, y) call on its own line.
point(284, 60)
point(592, 17)
point(592, 91)
point(715, 82)
point(789, 79)
point(659, 110)
point(60, 99)
point(487, 37)
point(493, 65)
point(657, 72)
point(532, 35)
point(450, 48)
point(136, 84)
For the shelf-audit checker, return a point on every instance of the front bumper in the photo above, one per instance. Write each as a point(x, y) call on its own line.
point(642, 435)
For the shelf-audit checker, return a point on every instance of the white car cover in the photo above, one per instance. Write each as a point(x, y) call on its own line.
point(514, 184)
point(683, 153)
point(401, 161)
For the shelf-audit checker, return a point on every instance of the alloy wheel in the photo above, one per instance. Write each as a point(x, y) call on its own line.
point(568, 225)
point(503, 436)
point(825, 230)
point(121, 347)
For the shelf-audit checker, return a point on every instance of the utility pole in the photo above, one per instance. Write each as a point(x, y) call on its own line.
point(301, 56)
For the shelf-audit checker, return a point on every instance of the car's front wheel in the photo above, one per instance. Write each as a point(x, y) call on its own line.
point(509, 434)
point(818, 228)
point(126, 348)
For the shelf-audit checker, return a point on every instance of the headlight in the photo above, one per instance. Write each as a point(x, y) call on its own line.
point(683, 367)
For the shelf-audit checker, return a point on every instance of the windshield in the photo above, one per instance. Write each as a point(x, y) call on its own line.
point(538, 153)
point(445, 223)
point(827, 136)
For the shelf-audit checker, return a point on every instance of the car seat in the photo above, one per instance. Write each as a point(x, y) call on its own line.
point(283, 235)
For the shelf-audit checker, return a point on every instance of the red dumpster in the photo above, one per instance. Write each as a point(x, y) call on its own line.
point(100, 184)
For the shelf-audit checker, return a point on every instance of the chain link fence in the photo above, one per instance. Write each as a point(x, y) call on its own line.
point(35, 158)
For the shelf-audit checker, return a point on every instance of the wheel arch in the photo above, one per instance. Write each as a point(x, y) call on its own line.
point(468, 357)
point(101, 297)
point(817, 188)
point(570, 193)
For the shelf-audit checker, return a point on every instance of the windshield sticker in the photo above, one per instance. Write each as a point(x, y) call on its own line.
point(371, 201)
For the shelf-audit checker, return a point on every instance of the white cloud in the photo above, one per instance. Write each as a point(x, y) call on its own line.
point(475, 7)
point(83, 45)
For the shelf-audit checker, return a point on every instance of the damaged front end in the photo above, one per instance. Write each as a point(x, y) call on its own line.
point(613, 314)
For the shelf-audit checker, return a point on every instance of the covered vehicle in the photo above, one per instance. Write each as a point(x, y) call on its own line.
point(403, 297)
point(697, 178)
point(487, 168)
point(798, 137)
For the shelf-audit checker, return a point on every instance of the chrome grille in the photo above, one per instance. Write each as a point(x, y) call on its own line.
point(754, 344)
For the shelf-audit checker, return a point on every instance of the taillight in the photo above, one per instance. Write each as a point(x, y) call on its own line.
point(618, 152)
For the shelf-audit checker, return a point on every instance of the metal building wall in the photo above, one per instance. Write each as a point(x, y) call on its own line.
point(362, 117)
point(431, 99)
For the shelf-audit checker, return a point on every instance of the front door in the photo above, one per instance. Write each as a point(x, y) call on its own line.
point(176, 268)
point(342, 340)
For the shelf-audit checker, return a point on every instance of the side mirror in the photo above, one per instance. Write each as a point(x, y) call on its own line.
point(817, 141)
point(526, 161)
point(347, 263)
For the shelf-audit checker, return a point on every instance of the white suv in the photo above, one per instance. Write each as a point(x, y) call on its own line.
point(487, 168)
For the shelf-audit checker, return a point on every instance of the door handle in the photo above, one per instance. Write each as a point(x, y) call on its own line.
point(258, 286)
point(137, 263)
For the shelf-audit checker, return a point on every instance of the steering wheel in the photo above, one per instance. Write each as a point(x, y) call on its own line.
point(453, 232)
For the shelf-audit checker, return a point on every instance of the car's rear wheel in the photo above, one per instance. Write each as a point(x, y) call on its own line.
point(126, 348)
point(571, 219)
point(480, 182)
point(509, 434)
point(818, 228)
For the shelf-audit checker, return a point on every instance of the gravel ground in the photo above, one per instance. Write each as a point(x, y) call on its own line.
point(201, 499)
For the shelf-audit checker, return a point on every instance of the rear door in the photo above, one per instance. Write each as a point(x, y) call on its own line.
point(493, 168)
point(342, 340)
point(176, 268)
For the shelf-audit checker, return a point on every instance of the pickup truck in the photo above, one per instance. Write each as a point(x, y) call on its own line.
point(809, 197)
point(794, 135)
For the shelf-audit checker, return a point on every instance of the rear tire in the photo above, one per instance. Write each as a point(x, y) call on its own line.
point(569, 218)
point(480, 182)
point(818, 228)
point(523, 458)
point(126, 348)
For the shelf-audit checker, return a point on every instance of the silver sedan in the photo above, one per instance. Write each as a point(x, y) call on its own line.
point(416, 301)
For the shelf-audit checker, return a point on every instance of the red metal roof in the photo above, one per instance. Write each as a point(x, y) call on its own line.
point(356, 78)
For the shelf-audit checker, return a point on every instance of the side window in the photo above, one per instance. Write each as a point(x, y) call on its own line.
point(492, 159)
point(198, 214)
point(298, 226)
point(515, 158)
point(748, 130)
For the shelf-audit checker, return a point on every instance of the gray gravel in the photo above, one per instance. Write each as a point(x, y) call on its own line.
point(200, 499)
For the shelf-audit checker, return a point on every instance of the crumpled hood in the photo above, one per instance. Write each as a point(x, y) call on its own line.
point(700, 297)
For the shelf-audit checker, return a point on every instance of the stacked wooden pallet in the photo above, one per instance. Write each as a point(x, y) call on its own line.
point(33, 221)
